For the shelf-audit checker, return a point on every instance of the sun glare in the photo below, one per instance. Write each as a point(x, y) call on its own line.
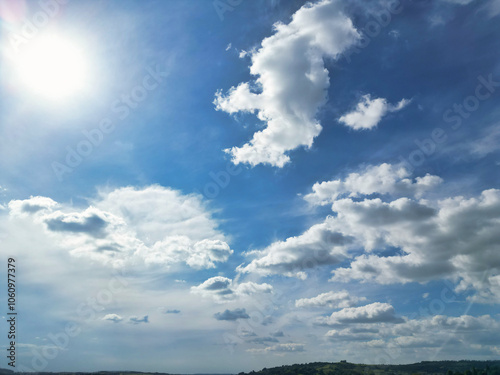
point(52, 67)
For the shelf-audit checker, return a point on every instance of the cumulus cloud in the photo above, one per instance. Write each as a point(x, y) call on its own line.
point(330, 299)
point(373, 313)
point(136, 320)
point(170, 311)
point(353, 334)
point(232, 315)
point(369, 112)
point(287, 347)
point(223, 289)
point(453, 237)
point(320, 245)
point(88, 222)
point(384, 179)
point(328, 243)
point(450, 237)
point(113, 318)
point(453, 333)
point(291, 83)
point(155, 226)
point(31, 205)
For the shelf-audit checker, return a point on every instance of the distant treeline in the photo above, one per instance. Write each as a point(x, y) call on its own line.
point(339, 368)
point(422, 368)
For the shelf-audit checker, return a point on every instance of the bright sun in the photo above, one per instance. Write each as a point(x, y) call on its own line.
point(52, 67)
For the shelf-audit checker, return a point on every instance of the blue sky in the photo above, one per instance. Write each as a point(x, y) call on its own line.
point(250, 183)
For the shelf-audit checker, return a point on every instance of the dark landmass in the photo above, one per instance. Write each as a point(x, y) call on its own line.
point(340, 368)
point(421, 368)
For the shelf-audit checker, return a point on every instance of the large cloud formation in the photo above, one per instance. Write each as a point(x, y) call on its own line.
point(449, 334)
point(154, 226)
point(291, 83)
point(454, 237)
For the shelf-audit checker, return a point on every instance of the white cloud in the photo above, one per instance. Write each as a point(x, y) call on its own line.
point(232, 315)
point(373, 313)
point(128, 227)
point(136, 320)
point(319, 245)
point(113, 318)
point(223, 289)
point(451, 238)
point(31, 205)
point(381, 179)
point(353, 334)
point(291, 82)
point(448, 333)
point(459, 2)
point(487, 143)
point(331, 299)
point(287, 347)
point(454, 238)
point(369, 112)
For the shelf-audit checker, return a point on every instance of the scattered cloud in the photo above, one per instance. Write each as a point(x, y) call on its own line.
point(330, 299)
point(136, 320)
point(31, 205)
point(459, 332)
point(232, 315)
point(173, 311)
point(369, 112)
point(319, 245)
point(223, 289)
point(287, 347)
point(394, 34)
point(487, 143)
point(291, 82)
point(373, 313)
point(113, 318)
point(373, 179)
point(448, 237)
